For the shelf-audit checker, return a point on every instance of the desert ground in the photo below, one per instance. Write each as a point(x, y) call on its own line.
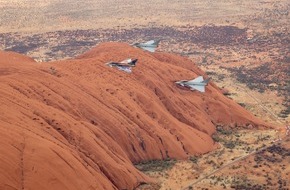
point(53, 15)
point(242, 45)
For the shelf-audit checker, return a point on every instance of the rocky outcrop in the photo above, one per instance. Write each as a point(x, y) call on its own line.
point(78, 124)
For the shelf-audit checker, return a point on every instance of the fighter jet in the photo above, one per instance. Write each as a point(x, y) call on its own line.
point(195, 84)
point(148, 46)
point(125, 65)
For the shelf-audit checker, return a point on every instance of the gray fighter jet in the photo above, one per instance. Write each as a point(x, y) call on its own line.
point(195, 84)
point(125, 65)
point(148, 46)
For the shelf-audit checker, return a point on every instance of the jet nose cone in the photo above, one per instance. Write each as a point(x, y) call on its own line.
point(179, 83)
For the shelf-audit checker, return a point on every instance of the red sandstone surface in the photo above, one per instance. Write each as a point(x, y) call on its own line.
point(79, 124)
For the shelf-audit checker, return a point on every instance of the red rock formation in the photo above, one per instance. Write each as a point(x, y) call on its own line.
point(78, 124)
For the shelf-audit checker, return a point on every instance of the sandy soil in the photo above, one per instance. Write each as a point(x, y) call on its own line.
point(37, 16)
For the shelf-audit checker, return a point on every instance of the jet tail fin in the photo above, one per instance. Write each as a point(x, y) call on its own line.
point(133, 62)
point(156, 42)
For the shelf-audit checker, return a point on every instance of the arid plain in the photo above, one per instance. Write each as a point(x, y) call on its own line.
point(242, 45)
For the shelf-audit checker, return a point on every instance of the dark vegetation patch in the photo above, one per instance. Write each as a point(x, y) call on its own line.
point(155, 165)
point(228, 138)
point(72, 43)
point(276, 150)
point(241, 183)
point(268, 76)
point(24, 48)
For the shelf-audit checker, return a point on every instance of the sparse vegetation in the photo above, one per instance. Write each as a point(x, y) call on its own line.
point(194, 159)
point(230, 145)
point(242, 104)
point(155, 165)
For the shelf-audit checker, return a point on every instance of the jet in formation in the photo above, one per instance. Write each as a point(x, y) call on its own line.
point(195, 84)
point(125, 65)
point(148, 46)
